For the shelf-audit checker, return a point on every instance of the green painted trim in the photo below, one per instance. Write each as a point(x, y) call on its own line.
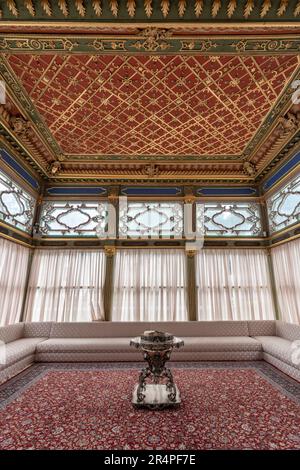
point(140, 45)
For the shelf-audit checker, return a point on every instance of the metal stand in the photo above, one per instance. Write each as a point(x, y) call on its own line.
point(162, 392)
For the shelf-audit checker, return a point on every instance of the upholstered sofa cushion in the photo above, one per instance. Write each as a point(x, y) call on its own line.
point(229, 343)
point(84, 344)
point(19, 349)
point(262, 328)
point(11, 332)
point(131, 329)
point(37, 329)
point(288, 331)
point(96, 330)
point(278, 347)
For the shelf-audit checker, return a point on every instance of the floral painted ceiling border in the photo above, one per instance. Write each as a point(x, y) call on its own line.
point(148, 40)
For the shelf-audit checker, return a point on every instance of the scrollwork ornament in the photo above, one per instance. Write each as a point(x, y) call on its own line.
point(154, 39)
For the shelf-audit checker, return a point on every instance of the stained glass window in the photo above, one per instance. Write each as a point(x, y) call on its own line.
point(16, 205)
point(151, 219)
point(231, 219)
point(284, 206)
point(72, 218)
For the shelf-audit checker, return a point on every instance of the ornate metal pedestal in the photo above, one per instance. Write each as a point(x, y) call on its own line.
point(162, 392)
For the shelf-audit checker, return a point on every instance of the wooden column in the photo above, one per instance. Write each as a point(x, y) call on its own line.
point(273, 285)
point(108, 283)
point(35, 234)
point(190, 198)
point(191, 285)
point(266, 229)
point(28, 270)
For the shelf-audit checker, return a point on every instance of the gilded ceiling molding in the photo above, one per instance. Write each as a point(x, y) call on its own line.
point(249, 169)
point(198, 7)
point(231, 7)
point(265, 8)
point(155, 40)
point(181, 7)
point(114, 6)
point(283, 131)
point(97, 7)
point(63, 7)
point(12, 7)
point(19, 125)
point(137, 9)
point(282, 7)
point(248, 8)
point(151, 170)
point(161, 173)
point(148, 8)
point(30, 7)
point(156, 43)
point(216, 5)
point(54, 168)
point(165, 7)
point(80, 7)
point(23, 131)
point(46, 6)
point(285, 153)
point(131, 6)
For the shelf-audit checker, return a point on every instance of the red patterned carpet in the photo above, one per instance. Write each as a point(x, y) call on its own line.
point(91, 409)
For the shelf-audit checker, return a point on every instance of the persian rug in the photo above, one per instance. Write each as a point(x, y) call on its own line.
point(88, 406)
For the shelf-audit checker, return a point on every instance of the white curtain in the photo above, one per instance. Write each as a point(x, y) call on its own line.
point(13, 272)
point(66, 285)
point(233, 285)
point(286, 262)
point(149, 285)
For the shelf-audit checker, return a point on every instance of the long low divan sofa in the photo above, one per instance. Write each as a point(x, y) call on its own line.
point(272, 341)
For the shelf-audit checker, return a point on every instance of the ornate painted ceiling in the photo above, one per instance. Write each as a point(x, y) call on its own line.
point(175, 102)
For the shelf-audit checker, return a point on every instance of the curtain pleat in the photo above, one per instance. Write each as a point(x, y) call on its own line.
point(150, 285)
point(66, 285)
point(287, 278)
point(233, 285)
point(13, 273)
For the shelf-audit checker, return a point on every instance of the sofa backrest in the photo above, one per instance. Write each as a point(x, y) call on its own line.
point(262, 327)
point(131, 329)
point(288, 331)
point(11, 333)
point(37, 329)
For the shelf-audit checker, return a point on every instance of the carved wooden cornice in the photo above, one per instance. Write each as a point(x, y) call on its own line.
point(24, 132)
point(144, 9)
